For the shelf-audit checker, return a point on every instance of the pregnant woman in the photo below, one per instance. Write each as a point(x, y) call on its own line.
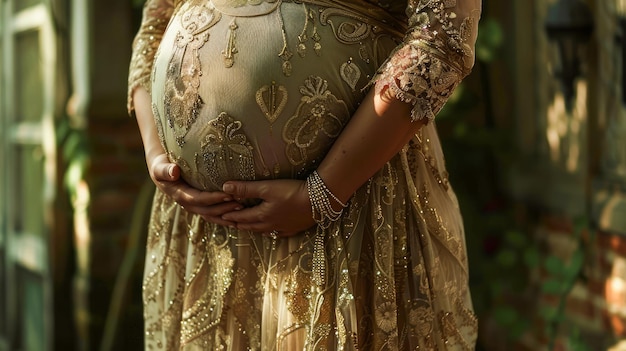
point(302, 201)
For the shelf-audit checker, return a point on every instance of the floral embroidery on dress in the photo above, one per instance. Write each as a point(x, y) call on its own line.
point(319, 115)
point(350, 73)
point(298, 296)
point(159, 125)
point(391, 274)
point(435, 56)
point(386, 317)
point(211, 279)
point(156, 14)
point(182, 100)
point(272, 100)
point(226, 153)
point(421, 79)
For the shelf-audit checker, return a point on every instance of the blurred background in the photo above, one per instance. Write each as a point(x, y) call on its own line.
point(535, 141)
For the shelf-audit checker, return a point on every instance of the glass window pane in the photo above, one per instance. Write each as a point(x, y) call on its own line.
point(28, 199)
point(20, 5)
point(28, 77)
point(31, 311)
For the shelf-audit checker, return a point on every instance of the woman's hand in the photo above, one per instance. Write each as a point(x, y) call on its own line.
point(210, 205)
point(285, 206)
point(166, 175)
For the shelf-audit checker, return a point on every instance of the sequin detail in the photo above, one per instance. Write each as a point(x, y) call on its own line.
point(226, 153)
point(182, 100)
point(319, 115)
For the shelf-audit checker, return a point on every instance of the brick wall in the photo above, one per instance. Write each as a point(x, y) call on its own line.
point(613, 263)
point(587, 305)
point(115, 176)
point(595, 308)
point(112, 183)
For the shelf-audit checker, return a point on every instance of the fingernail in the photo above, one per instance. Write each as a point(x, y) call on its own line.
point(228, 188)
point(238, 208)
point(170, 171)
point(227, 199)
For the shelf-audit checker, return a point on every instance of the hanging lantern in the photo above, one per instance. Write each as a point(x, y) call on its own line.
point(569, 26)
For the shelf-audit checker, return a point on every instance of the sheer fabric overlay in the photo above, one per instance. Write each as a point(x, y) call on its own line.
point(253, 89)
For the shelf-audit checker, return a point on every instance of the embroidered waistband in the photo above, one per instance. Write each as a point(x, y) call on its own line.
point(357, 9)
point(364, 12)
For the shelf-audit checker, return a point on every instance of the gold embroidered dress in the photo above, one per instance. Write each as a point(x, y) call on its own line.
point(260, 89)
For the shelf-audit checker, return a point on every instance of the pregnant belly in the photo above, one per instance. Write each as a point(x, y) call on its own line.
point(255, 97)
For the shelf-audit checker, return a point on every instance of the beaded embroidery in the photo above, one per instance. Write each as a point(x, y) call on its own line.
point(392, 270)
point(226, 153)
point(319, 119)
point(182, 100)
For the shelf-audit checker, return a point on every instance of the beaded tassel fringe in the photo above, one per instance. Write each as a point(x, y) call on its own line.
point(324, 215)
point(323, 212)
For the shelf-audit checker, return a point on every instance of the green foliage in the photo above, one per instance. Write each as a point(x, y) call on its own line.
point(511, 320)
point(532, 257)
point(502, 252)
point(576, 342)
point(76, 155)
point(489, 41)
point(506, 275)
point(562, 276)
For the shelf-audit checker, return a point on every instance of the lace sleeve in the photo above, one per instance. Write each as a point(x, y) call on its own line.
point(156, 16)
point(436, 53)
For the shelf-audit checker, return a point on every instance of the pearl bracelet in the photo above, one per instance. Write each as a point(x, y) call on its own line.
point(323, 212)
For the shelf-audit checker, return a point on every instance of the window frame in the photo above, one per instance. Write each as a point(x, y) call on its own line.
point(23, 251)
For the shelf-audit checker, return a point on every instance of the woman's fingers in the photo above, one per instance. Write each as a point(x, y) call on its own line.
point(185, 194)
point(214, 213)
point(254, 219)
point(211, 205)
point(285, 206)
point(219, 209)
point(281, 206)
point(163, 170)
point(248, 216)
point(246, 189)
